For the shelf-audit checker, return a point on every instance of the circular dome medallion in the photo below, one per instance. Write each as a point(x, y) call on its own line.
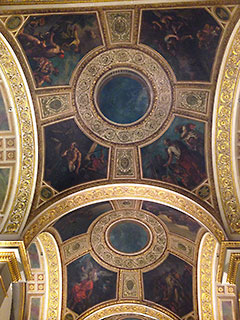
point(111, 249)
point(152, 87)
point(128, 236)
point(123, 97)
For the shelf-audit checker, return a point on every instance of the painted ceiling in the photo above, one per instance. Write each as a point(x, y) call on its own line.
point(123, 98)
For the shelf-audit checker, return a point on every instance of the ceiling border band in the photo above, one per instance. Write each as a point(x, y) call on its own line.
point(119, 191)
point(223, 147)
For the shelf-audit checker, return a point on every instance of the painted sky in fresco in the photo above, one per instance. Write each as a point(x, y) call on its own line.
point(176, 221)
point(55, 44)
point(79, 220)
point(186, 38)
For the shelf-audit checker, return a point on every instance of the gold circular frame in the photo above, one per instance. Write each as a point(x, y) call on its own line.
point(151, 255)
point(143, 64)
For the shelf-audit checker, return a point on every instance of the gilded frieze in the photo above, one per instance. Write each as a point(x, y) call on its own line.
point(205, 277)
point(224, 111)
point(54, 275)
point(26, 131)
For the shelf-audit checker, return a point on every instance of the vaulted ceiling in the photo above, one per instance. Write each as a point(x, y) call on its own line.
point(119, 143)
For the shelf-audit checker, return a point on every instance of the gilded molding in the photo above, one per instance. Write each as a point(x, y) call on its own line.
point(27, 150)
point(223, 135)
point(222, 256)
point(134, 308)
point(205, 277)
point(23, 254)
point(103, 193)
point(12, 262)
point(233, 267)
point(54, 275)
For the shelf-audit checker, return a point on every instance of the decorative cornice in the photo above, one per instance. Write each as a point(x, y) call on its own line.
point(12, 262)
point(205, 277)
point(104, 193)
point(224, 111)
point(23, 254)
point(27, 138)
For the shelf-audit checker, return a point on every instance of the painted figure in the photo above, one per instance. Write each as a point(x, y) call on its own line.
point(89, 284)
point(187, 39)
point(178, 156)
point(55, 44)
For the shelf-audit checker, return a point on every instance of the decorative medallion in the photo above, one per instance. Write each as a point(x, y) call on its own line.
point(117, 70)
point(52, 105)
point(124, 163)
point(130, 284)
point(192, 100)
point(119, 24)
point(14, 22)
point(128, 239)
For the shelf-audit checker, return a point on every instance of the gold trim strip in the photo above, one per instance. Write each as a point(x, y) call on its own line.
point(27, 165)
point(54, 275)
point(11, 260)
point(104, 193)
point(206, 254)
point(223, 135)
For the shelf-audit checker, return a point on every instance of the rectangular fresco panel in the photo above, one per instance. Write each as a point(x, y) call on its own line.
point(227, 310)
point(186, 38)
point(4, 126)
point(35, 309)
point(177, 157)
point(34, 256)
point(170, 285)
point(54, 45)
point(79, 220)
point(176, 221)
point(4, 180)
point(71, 157)
point(89, 284)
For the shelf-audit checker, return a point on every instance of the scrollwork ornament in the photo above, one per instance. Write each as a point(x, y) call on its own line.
point(130, 60)
point(27, 149)
point(207, 254)
point(223, 136)
point(153, 253)
point(54, 275)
